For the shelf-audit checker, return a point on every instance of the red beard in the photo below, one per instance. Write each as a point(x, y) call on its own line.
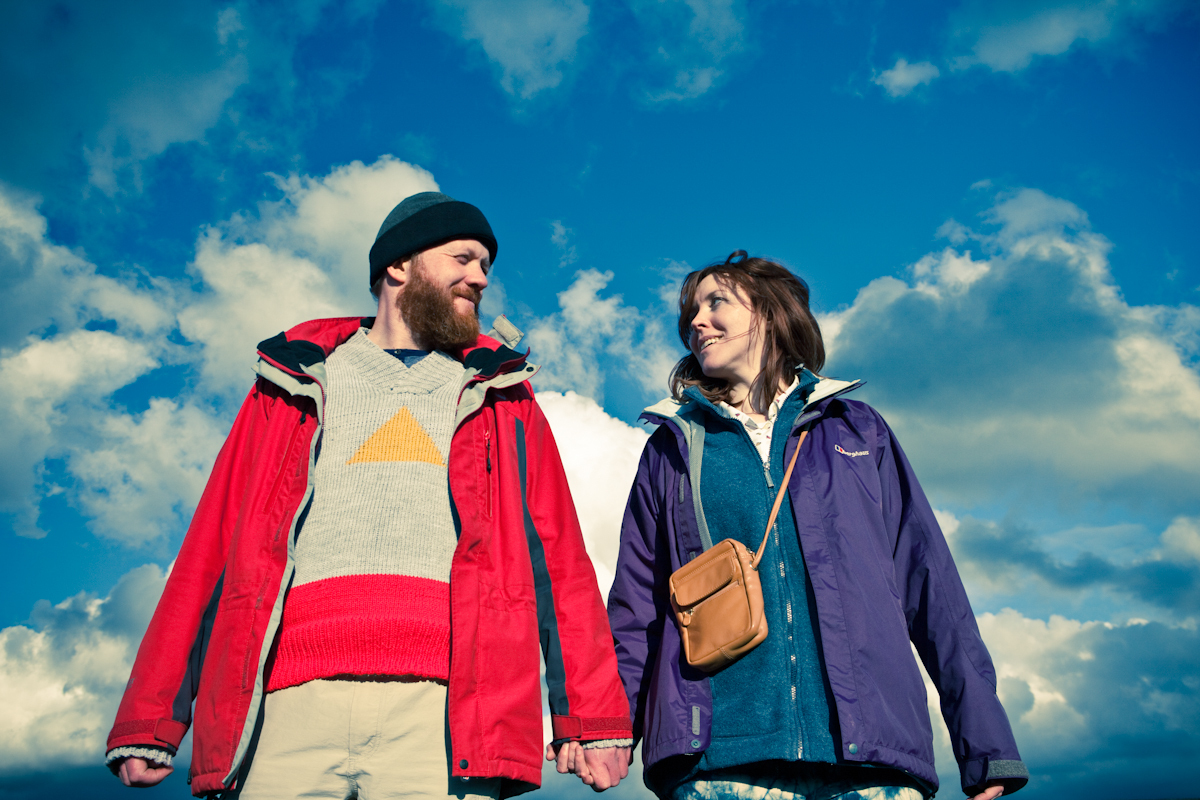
point(429, 312)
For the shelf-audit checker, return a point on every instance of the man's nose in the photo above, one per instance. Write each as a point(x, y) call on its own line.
point(476, 277)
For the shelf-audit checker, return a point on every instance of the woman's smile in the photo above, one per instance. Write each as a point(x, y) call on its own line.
point(723, 331)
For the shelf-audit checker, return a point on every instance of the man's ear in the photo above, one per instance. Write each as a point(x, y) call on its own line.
point(400, 270)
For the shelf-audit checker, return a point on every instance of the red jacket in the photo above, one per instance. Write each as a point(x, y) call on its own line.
point(520, 582)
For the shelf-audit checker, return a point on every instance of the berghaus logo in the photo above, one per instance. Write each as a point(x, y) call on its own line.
point(854, 454)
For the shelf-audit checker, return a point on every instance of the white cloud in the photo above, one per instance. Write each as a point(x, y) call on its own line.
point(600, 455)
point(49, 389)
point(45, 284)
point(531, 41)
point(136, 474)
point(56, 371)
point(301, 257)
point(333, 219)
point(1119, 569)
point(589, 329)
point(113, 87)
point(1023, 367)
point(1006, 37)
point(694, 55)
point(1068, 684)
point(560, 236)
point(167, 81)
point(1182, 538)
point(904, 77)
point(61, 679)
point(147, 471)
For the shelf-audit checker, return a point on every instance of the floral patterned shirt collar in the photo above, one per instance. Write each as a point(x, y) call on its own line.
point(760, 432)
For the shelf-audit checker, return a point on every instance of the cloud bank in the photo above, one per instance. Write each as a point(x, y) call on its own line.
point(1021, 371)
point(61, 677)
point(74, 336)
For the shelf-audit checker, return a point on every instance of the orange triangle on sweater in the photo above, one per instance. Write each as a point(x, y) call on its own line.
point(401, 438)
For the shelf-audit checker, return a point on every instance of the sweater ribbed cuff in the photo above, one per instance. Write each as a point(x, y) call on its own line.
point(118, 754)
point(602, 743)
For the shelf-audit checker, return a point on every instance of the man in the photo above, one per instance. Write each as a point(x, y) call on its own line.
point(386, 539)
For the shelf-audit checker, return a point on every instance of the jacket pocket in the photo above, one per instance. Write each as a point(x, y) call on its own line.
point(283, 464)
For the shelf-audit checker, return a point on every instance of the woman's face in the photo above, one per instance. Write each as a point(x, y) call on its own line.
point(726, 339)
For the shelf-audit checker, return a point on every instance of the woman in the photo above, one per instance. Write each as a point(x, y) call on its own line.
point(831, 704)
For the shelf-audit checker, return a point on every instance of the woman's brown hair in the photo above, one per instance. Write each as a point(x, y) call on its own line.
point(791, 336)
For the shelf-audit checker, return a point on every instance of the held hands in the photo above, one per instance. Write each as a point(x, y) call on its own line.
point(990, 793)
point(141, 773)
point(600, 768)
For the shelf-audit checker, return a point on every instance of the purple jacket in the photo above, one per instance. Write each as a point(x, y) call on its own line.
point(882, 575)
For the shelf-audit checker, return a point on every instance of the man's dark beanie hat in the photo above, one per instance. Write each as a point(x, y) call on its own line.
point(424, 220)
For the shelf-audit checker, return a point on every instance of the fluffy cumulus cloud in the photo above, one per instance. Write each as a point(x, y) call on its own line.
point(1010, 362)
point(531, 42)
point(300, 257)
point(145, 471)
point(61, 676)
point(690, 41)
point(1160, 575)
point(70, 337)
point(903, 77)
point(594, 338)
point(600, 455)
point(1113, 708)
point(73, 336)
point(1007, 37)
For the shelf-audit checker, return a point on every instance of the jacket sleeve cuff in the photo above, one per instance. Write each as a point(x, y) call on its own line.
point(164, 734)
point(571, 728)
point(977, 774)
point(118, 754)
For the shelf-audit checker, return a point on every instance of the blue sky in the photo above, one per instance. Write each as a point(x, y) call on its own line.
point(995, 204)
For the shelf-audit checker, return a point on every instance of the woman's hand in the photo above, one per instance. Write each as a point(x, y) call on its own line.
point(601, 768)
point(141, 773)
point(990, 793)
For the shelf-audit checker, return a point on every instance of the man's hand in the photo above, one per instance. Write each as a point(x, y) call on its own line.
point(990, 793)
point(601, 768)
point(141, 773)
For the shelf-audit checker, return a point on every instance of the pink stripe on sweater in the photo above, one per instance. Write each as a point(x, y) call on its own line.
point(363, 625)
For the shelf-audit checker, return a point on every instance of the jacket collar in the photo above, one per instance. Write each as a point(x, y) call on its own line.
point(298, 350)
point(685, 412)
point(687, 420)
point(295, 360)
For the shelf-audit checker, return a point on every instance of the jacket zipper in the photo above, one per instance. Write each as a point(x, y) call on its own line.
point(787, 604)
point(487, 449)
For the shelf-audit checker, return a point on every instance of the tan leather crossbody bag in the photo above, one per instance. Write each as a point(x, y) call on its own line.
point(718, 599)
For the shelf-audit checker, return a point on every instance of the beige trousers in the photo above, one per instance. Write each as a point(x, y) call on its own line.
point(365, 739)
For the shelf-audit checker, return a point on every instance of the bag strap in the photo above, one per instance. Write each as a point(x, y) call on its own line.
point(778, 500)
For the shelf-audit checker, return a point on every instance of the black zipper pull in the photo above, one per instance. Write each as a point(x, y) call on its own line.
point(487, 446)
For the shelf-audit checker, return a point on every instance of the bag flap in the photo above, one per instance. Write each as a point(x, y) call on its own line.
point(706, 575)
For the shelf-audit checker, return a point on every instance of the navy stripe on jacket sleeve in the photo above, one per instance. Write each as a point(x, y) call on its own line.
point(556, 674)
point(181, 708)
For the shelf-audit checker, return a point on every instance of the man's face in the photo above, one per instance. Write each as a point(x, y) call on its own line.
point(440, 301)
